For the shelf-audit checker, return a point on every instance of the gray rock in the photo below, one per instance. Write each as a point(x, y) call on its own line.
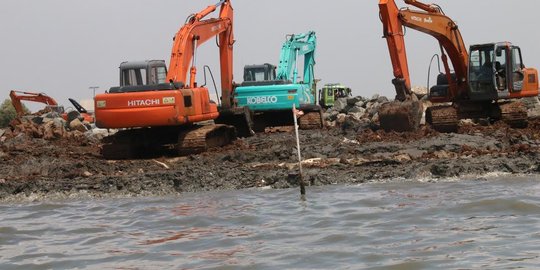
point(46, 120)
point(2, 132)
point(382, 99)
point(38, 120)
point(51, 115)
point(330, 123)
point(356, 115)
point(369, 105)
point(375, 118)
point(332, 115)
point(353, 100)
point(340, 104)
point(341, 118)
point(375, 97)
point(59, 122)
point(72, 115)
point(326, 115)
point(360, 103)
point(76, 124)
point(357, 110)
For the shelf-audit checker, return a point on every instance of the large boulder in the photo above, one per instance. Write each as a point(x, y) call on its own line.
point(340, 104)
point(76, 124)
point(356, 109)
point(353, 100)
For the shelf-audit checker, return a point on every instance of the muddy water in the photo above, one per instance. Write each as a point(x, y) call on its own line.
point(486, 223)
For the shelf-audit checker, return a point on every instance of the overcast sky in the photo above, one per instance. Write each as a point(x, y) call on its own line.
point(63, 47)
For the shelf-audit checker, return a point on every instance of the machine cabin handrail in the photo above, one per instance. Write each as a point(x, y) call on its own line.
point(301, 44)
point(432, 21)
point(29, 96)
point(196, 32)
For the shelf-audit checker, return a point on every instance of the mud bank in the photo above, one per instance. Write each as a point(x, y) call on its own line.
point(332, 156)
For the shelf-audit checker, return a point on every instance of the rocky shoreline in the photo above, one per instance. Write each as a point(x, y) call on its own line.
point(349, 151)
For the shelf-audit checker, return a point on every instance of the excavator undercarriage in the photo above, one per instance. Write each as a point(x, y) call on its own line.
point(445, 118)
point(173, 141)
point(311, 120)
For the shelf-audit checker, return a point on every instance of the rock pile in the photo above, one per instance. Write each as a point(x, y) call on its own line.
point(49, 125)
point(359, 113)
point(355, 113)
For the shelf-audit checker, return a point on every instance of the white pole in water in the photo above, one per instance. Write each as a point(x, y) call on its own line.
point(302, 186)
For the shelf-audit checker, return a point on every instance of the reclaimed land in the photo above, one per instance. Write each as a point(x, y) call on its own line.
point(71, 165)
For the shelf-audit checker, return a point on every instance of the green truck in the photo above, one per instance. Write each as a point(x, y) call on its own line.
point(332, 91)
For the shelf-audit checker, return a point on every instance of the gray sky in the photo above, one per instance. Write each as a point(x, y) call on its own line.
point(62, 47)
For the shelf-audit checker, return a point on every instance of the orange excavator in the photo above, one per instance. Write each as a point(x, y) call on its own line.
point(163, 111)
point(18, 96)
point(484, 81)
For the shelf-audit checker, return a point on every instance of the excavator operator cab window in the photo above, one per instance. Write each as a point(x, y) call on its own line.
point(157, 75)
point(259, 73)
point(481, 71)
point(500, 68)
point(131, 77)
point(516, 67)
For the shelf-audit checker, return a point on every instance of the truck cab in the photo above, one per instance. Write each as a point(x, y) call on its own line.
point(332, 91)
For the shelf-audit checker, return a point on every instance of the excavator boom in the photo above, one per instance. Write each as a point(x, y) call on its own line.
point(18, 96)
point(196, 32)
point(429, 20)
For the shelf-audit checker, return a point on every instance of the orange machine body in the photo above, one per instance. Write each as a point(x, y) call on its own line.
point(183, 102)
point(155, 108)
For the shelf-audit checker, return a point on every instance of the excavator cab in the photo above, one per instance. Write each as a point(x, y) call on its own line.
point(139, 76)
point(143, 73)
point(496, 71)
point(258, 74)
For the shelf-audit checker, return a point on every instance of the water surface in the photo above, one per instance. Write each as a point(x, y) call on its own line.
point(467, 224)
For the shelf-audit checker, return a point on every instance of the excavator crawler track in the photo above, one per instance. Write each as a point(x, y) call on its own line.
point(311, 120)
point(443, 118)
point(514, 114)
point(151, 142)
point(400, 116)
point(202, 138)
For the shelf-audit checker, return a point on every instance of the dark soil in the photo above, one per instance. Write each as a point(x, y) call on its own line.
point(333, 156)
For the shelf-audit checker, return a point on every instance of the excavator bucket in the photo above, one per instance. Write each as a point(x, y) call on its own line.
point(239, 117)
point(401, 116)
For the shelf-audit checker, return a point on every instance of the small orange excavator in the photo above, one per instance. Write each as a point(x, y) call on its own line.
point(18, 96)
point(484, 81)
point(163, 111)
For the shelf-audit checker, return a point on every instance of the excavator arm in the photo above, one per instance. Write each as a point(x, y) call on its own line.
point(432, 21)
point(196, 32)
point(405, 113)
point(296, 45)
point(18, 96)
